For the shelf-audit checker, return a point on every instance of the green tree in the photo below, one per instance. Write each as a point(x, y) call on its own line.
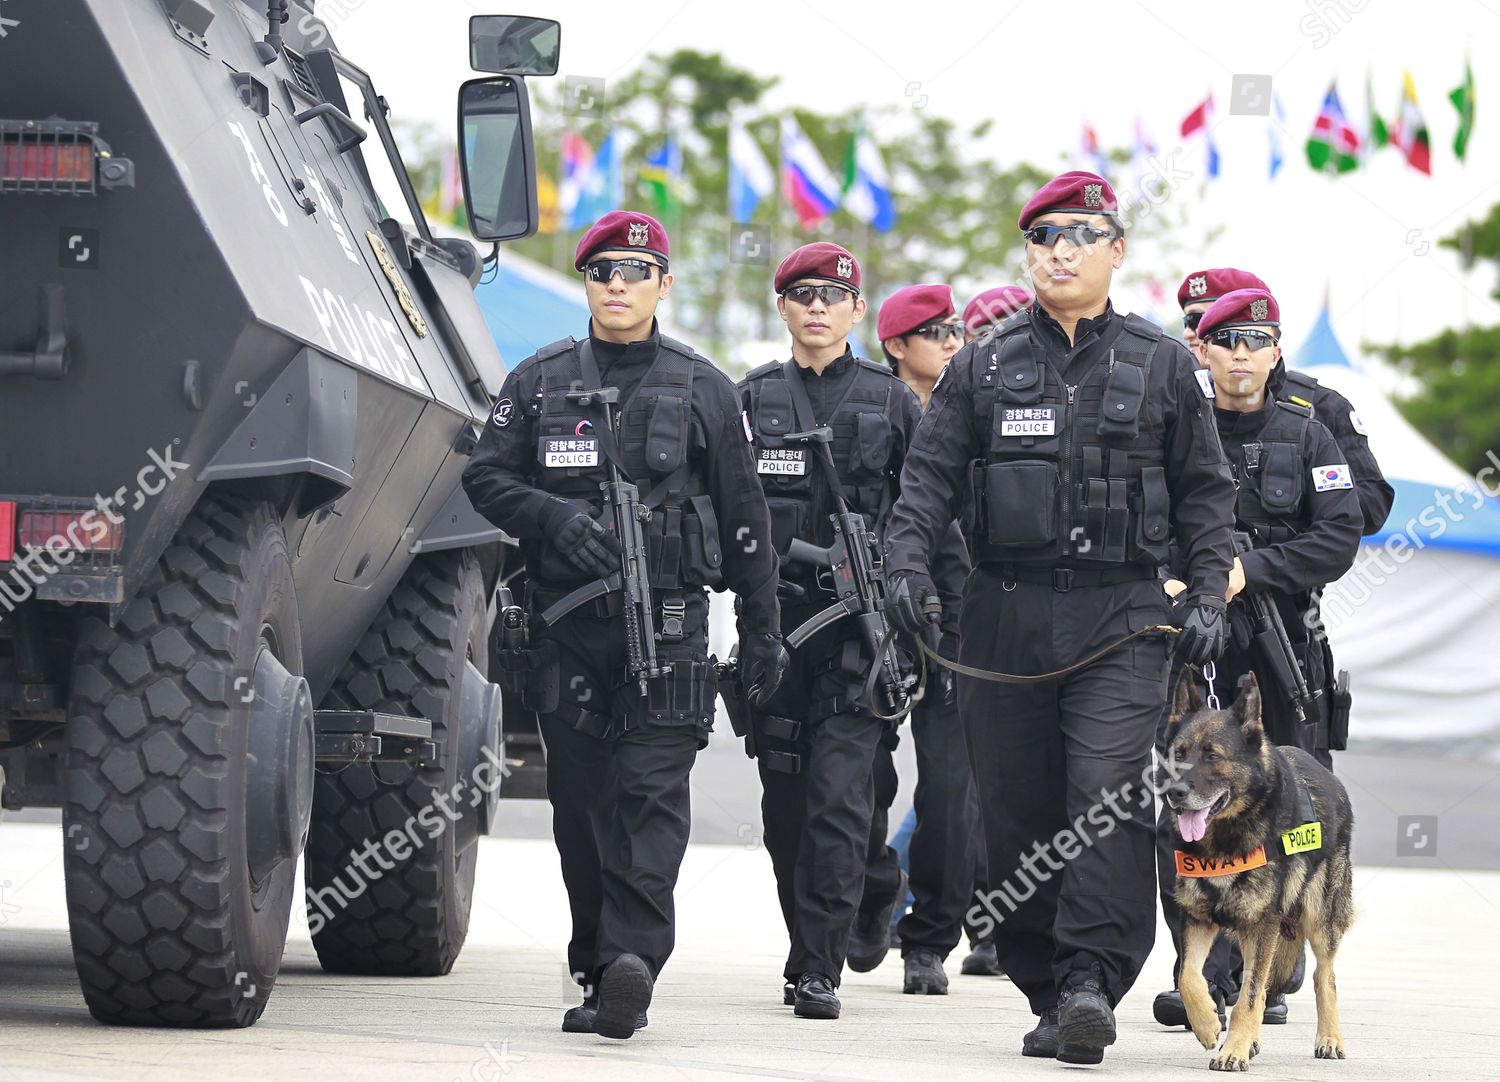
point(1458, 404)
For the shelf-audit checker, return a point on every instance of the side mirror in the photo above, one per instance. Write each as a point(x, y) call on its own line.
point(514, 44)
point(497, 158)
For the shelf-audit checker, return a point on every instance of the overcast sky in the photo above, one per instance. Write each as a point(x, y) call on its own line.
point(1370, 236)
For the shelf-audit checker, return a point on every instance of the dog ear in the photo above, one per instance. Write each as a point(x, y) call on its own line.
point(1186, 700)
point(1247, 711)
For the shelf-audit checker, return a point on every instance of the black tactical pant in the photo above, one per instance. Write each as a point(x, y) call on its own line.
point(1224, 966)
point(941, 857)
point(617, 779)
point(815, 750)
point(1063, 773)
point(882, 862)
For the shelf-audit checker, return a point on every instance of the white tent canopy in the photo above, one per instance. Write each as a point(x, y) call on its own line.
point(1417, 619)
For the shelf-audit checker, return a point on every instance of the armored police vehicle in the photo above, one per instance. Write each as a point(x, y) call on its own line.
point(244, 604)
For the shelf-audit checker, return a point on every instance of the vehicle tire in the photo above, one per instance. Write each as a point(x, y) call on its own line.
point(410, 919)
point(170, 925)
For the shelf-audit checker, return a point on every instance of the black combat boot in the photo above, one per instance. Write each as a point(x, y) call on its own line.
point(1169, 1010)
point(870, 938)
point(1041, 1042)
point(815, 997)
point(924, 973)
point(1085, 1019)
point(1275, 1012)
point(624, 995)
point(982, 961)
point(789, 993)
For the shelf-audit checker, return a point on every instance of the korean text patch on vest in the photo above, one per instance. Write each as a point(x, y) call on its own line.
point(782, 460)
point(1302, 839)
point(1331, 477)
point(1191, 866)
point(1029, 421)
point(567, 451)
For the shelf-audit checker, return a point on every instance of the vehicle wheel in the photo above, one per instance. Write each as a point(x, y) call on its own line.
point(391, 853)
point(188, 778)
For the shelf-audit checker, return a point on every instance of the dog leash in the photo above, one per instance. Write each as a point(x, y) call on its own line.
point(1210, 673)
point(1013, 678)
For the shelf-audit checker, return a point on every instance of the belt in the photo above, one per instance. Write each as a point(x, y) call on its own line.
point(1063, 579)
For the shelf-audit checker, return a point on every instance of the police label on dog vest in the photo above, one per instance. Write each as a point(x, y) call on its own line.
point(565, 451)
point(782, 460)
point(1303, 839)
point(1196, 867)
point(1029, 421)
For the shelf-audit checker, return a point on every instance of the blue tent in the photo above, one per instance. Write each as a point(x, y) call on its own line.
point(526, 306)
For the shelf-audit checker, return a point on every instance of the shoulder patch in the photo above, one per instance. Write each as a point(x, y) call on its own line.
point(1357, 423)
point(505, 409)
point(1326, 478)
point(1205, 380)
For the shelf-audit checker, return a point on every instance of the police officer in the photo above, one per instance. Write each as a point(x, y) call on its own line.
point(617, 762)
point(816, 738)
point(919, 331)
point(1084, 439)
point(989, 309)
point(1198, 292)
point(1297, 499)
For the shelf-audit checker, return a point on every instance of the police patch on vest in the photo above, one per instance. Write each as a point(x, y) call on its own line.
point(565, 451)
point(1331, 477)
point(1029, 421)
point(1205, 380)
point(782, 460)
point(504, 410)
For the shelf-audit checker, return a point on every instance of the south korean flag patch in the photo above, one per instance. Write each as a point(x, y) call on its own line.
point(1357, 423)
point(1205, 380)
point(1326, 478)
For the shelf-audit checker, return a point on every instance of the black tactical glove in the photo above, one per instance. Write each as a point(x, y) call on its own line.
point(586, 544)
point(763, 662)
point(912, 603)
point(1204, 630)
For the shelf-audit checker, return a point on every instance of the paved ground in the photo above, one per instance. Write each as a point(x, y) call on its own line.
point(1416, 979)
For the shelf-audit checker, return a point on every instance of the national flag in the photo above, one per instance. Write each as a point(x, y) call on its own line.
point(1463, 100)
point(1379, 135)
point(1091, 155)
point(547, 203)
point(662, 176)
point(751, 177)
point(806, 182)
point(591, 181)
point(1199, 119)
point(1410, 131)
point(1333, 145)
point(867, 185)
point(1274, 129)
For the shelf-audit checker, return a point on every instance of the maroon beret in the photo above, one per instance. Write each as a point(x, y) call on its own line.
point(911, 306)
point(822, 259)
point(622, 231)
point(1211, 284)
point(1087, 193)
point(1240, 308)
point(993, 305)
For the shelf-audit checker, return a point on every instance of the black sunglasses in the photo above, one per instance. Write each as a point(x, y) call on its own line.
point(631, 270)
point(1190, 320)
point(1231, 337)
point(829, 295)
point(938, 331)
point(1079, 236)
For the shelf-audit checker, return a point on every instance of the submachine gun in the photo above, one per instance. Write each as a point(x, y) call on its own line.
point(1268, 635)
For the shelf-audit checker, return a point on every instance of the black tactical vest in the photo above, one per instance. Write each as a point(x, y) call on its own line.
point(1271, 473)
point(1068, 472)
point(661, 446)
point(863, 440)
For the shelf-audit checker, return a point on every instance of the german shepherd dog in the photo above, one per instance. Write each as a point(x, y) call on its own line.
point(1265, 857)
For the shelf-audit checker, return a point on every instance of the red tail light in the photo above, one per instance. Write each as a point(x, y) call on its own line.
point(47, 164)
point(79, 531)
point(7, 531)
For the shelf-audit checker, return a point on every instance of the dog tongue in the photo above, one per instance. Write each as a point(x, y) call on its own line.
point(1192, 824)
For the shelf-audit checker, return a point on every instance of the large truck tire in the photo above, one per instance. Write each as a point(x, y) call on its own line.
point(402, 909)
point(188, 778)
